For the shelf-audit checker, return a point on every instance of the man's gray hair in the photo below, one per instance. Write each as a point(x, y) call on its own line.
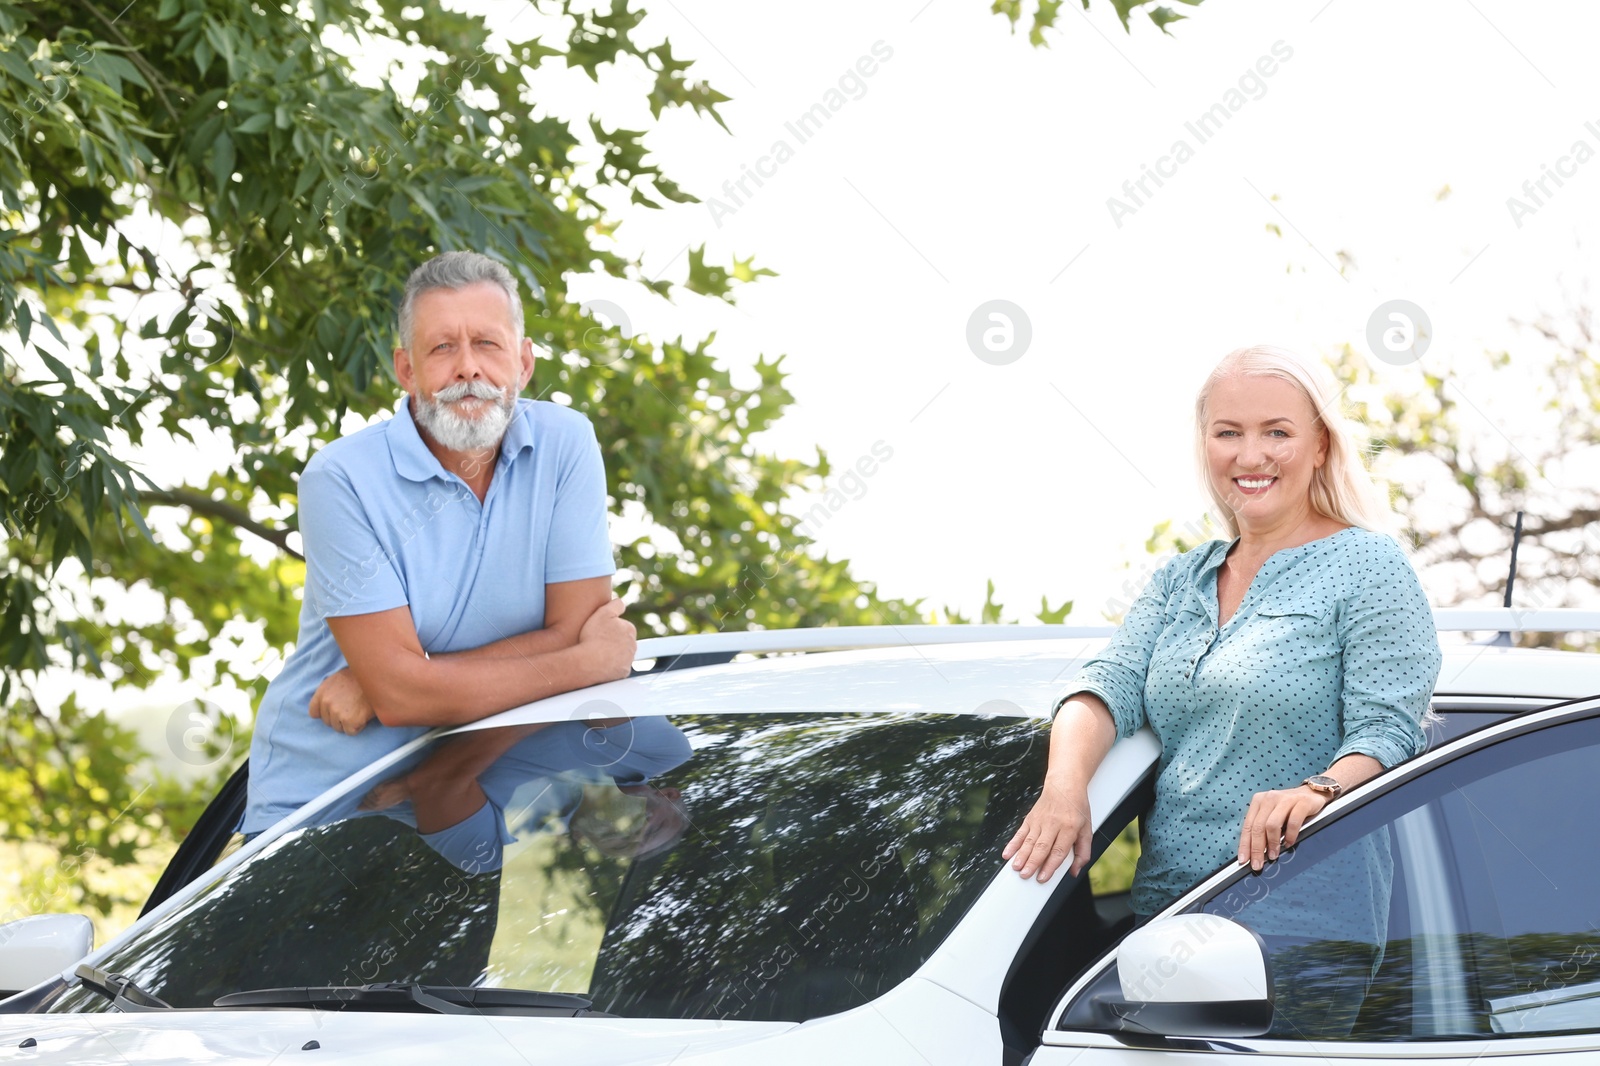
point(457, 270)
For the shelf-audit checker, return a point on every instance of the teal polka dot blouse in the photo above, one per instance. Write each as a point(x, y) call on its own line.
point(1332, 652)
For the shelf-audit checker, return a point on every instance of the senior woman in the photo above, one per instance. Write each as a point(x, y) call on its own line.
point(1279, 669)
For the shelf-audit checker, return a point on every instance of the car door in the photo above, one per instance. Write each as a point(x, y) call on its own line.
point(1450, 912)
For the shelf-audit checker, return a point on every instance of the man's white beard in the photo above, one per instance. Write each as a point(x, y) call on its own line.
point(461, 433)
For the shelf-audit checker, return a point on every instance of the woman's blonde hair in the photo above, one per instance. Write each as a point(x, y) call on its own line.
point(1342, 488)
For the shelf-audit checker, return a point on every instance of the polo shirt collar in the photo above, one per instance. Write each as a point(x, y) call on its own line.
point(414, 461)
point(519, 434)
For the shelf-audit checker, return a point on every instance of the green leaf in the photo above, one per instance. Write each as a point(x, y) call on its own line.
point(255, 123)
point(1053, 616)
point(1163, 16)
point(310, 174)
point(222, 160)
point(714, 280)
point(992, 610)
point(222, 41)
point(111, 66)
point(14, 65)
point(56, 366)
point(425, 204)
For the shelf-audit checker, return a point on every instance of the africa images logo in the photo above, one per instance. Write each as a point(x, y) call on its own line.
point(851, 85)
point(1251, 85)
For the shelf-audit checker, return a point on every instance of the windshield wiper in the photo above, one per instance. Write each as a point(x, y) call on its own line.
point(442, 999)
point(121, 991)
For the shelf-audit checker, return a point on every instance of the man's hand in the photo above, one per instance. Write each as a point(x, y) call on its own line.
point(584, 641)
point(341, 704)
point(610, 641)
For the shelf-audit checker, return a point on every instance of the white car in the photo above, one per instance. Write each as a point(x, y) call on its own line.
point(794, 858)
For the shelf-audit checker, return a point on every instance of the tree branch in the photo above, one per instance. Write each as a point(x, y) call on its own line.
point(200, 503)
point(1577, 518)
point(151, 75)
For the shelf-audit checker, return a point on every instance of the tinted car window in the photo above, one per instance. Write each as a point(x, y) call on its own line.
point(1529, 876)
point(820, 860)
point(1465, 903)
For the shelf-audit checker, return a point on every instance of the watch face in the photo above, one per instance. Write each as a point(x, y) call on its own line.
point(1324, 783)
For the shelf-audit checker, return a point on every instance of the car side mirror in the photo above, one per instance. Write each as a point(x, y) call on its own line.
point(1198, 975)
point(36, 949)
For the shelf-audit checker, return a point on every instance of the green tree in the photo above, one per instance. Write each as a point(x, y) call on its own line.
point(207, 210)
point(1043, 14)
point(1514, 432)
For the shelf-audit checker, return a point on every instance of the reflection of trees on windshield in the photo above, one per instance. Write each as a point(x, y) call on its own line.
point(344, 904)
point(825, 860)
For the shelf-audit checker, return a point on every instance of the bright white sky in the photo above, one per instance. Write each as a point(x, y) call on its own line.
point(974, 167)
point(971, 167)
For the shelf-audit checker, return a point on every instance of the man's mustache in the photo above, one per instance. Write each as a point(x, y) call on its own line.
point(478, 390)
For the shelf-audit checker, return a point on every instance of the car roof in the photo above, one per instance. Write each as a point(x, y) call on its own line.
point(991, 670)
point(1000, 677)
point(1495, 670)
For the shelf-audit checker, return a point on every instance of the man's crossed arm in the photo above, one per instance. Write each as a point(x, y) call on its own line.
point(585, 641)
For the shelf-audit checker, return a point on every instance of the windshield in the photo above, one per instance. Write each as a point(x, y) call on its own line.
point(753, 867)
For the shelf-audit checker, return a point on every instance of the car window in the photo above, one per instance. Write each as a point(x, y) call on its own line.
point(1464, 903)
point(1455, 716)
point(785, 866)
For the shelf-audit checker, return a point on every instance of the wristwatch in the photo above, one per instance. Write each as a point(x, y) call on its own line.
point(1324, 784)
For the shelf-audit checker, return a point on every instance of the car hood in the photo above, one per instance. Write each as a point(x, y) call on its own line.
point(191, 1037)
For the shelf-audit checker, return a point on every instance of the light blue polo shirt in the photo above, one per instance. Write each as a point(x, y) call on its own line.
point(384, 525)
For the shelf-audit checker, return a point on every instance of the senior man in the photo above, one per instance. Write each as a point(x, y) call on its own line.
point(457, 557)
